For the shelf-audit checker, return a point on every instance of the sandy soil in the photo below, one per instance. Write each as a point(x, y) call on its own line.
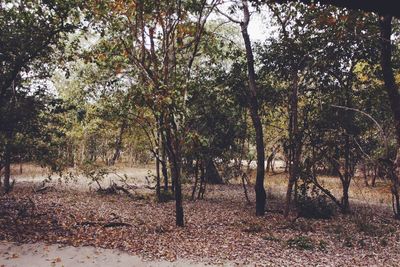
point(41, 255)
point(72, 179)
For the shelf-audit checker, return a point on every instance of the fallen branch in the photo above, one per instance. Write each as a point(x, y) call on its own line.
point(104, 224)
point(126, 191)
point(42, 189)
point(117, 224)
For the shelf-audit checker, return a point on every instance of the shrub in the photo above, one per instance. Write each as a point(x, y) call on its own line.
point(322, 245)
point(383, 242)
point(312, 203)
point(301, 242)
point(166, 196)
point(348, 242)
point(271, 237)
point(253, 228)
point(364, 224)
point(96, 173)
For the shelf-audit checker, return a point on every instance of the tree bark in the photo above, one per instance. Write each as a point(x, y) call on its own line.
point(254, 113)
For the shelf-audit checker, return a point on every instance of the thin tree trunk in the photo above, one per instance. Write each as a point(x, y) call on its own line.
point(269, 163)
point(254, 113)
point(158, 178)
point(365, 172)
point(7, 169)
point(374, 174)
point(118, 143)
point(345, 205)
point(348, 174)
point(164, 167)
point(175, 162)
point(20, 165)
point(202, 182)
point(295, 144)
point(196, 179)
point(244, 180)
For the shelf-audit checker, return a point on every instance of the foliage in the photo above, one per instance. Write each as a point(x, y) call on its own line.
point(312, 203)
point(301, 242)
point(94, 172)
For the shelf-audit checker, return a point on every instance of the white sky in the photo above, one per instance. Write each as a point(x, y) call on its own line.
point(258, 27)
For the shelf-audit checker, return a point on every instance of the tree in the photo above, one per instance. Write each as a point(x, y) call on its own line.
point(31, 31)
point(157, 44)
point(392, 90)
point(388, 7)
point(254, 107)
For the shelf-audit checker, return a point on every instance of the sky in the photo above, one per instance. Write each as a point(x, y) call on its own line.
point(258, 27)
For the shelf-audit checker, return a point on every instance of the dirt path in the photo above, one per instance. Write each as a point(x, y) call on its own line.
point(41, 255)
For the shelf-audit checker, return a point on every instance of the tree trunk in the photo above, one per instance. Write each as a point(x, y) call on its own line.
point(20, 165)
point(295, 144)
point(365, 172)
point(270, 165)
point(164, 164)
point(374, 174)
point(394, 98)
point(118, 143)
point(7, 169)
point(254, 113)
point(345, 205)
point(211, 175)
point(348, 174)
point(196, 179)
point(244, 180)
point(202, 187)
point(158, 177)
point(174, 157)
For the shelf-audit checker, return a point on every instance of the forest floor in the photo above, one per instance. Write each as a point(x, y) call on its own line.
point(221, 229)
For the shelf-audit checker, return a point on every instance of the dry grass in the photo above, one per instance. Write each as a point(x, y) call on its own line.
point(359, 193)
point(275, 183)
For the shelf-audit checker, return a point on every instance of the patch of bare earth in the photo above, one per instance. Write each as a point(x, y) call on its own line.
point(219, 229)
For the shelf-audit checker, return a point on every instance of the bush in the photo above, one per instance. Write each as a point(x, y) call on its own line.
point(271, 237)
point(166, 196)
point(301, 242)
point(348, 242)
point(253, 228)
point(364, 223)
point(312, 203)
point(95, 172)
point(322, 245)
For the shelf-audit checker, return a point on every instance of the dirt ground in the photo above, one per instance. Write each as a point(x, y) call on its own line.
point(220, 230)
point(41, 255)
